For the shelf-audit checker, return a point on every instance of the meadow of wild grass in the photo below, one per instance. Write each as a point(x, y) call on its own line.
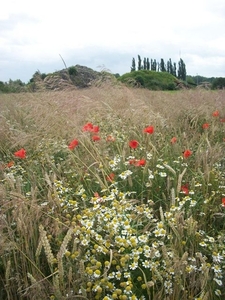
point(112, 193)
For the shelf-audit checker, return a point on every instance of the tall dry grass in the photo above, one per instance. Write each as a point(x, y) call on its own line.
point(39, 234)
point(26, 118)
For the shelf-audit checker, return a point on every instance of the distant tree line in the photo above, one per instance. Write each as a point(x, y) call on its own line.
point(13, 86)
point(153, 65)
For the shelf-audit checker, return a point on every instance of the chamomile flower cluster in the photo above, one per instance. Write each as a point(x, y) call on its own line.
point(132, 225)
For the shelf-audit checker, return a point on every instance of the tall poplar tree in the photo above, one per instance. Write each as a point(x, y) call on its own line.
point(153, 65)
point(168, 66)
point(145, 63)
point(174, 69)
point(148, 64)
point(139, 63)
point(133, 66)
point(181, 73)
point(162, 65)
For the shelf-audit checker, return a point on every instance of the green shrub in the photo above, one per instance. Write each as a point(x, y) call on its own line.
point(218, 83)
point(150, 79)
point(72, 71)
point(140, 80)
point(43, 75)
point(3, 88)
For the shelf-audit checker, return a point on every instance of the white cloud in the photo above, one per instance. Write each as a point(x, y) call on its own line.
point(96, 32)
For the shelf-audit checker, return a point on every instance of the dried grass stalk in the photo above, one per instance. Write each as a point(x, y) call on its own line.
point(46, 245)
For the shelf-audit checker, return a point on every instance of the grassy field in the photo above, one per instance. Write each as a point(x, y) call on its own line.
point(112, 193)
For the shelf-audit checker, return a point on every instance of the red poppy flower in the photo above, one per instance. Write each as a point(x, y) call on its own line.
point(173, 140)
point(205, 126)
point(184, 189)
point(73, 144)
point(95, 129)
point(110, 177)
point(10, 164)
point(187, 153)
point(137, 162)
point(216, 113)
point(88, 127)
point(140, 162)
point(110, 138)
point(223, 202)
point(95, 138)
point(222, 120)
point(149, 129)
point(133, 144)
point(20, 153)
point(132, 161)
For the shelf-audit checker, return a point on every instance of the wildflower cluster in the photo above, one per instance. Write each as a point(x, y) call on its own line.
point(127, 220)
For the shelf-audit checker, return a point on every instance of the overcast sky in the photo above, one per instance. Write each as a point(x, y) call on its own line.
point(108, 34)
